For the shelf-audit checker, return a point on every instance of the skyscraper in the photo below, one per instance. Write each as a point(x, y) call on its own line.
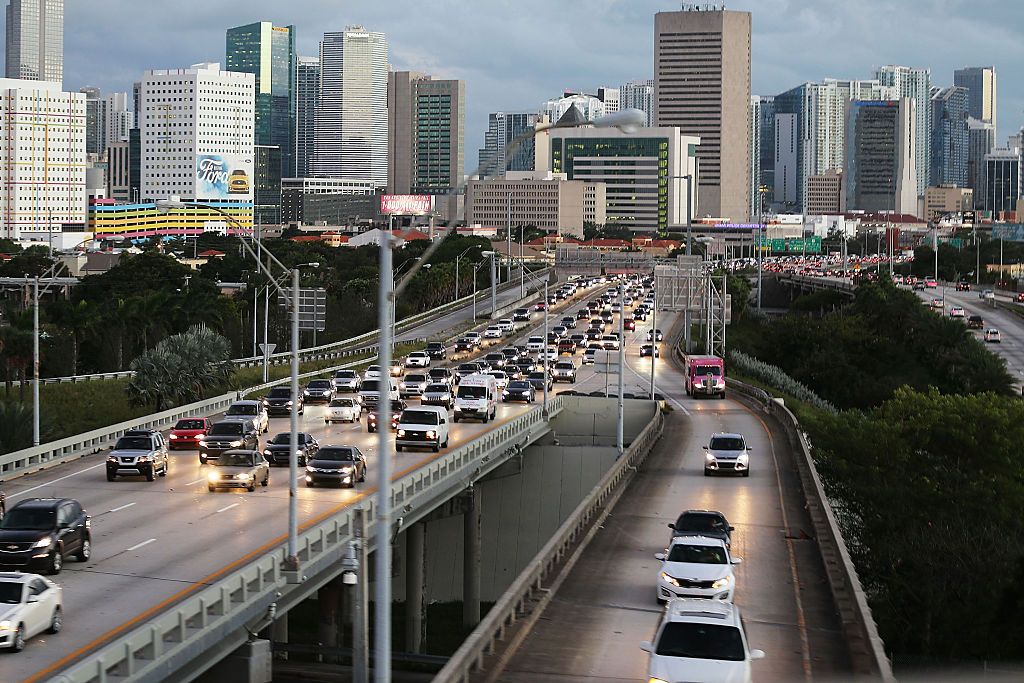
point(268, 52)
point(981, 139)
point(426, 133)
point(502, 128)
point(35, 40)
point(120, 119)
point(1002, 180)
point(917, 85)
point(880, 156)
point(352, 116)
point(611, 99)
point(702, 86)
point(980, 82)
point(95, 121)
point(307, 94)
point(762, 150)
point(950, 138)
point(638, 95)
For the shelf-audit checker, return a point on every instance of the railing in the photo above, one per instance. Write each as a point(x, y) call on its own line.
point(218, 609)
point(510, 607)
point(820, 282)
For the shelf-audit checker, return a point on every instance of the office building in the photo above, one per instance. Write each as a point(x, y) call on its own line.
point(947, 199)
point(880, 157)
point(950, 137)
point(120, 117)
point(980, 82)
point(642, 172)
point(552, 204)
point(915, 84)
point(426, 133)
point(702, 87)
point(610, 98)
point(638, 95)
point(826, 194)
point(268, 53)
point(981, 139)
point(42, 177)
point(307, 94)
point(590, 106)
point(119, 171)
point(762, 151)
point(197, 130)
point(503, 128)
point(789, 187)
point(35, 40)
point(351, 139)
point(267, 185)
point(1002, 180)
point(95, 121)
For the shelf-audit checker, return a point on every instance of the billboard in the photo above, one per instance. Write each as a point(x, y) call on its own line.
point(406, 204)
point(1011, 232)
point(224, 176)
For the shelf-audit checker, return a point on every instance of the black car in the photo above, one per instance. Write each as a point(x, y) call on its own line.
point(318, 391)
point(396, 414)
point(708, 523)
point(975, 322)
point(340, 465)
point(278, 450)
point(38, 533)
point(436, 350)
point(279, 401)
point(223, 436)
point(526, 366)
point(464, 345)
point(520, 390)
point(521, 315)
point(495, 360)
point(537, 379)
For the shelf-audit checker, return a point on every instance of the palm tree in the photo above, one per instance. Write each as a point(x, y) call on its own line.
point(15, 426)
point(181, 368)
point(78, 319)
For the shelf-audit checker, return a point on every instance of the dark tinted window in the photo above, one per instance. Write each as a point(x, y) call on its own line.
point(371, 385)
point(336, 454)
point(420, 417)
point(697, 554)
point(701, 641)
point(698, 521)
point(437, 388)
point(236, 460)
point(280, 392)
point(283, 439)
point(10, 592)
point(30, 518)
point(189, 424)
point(320, 384)
point(726, 443)
point(227, 429)
point(133, 443)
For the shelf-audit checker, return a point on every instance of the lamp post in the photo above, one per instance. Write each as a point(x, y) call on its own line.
point(546, 376)
point(494, 283)
point(457, 258)
point(476, 268)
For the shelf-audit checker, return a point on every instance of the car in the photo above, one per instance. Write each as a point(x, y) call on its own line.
point(521, 315)
point(651, 334)
point(370, 392)
point(495, 360)
point(992, 336)
point(550, 353)
point(473, 337)
point(493, 332)
point(937, 304)
point(629, 324)
point(963, 286)
point(318, 391)
point(560, 331)
point(436, 350)
point(340, 465)
point(226, 435)
point(930, 283)
point(594, 334)
point(343, 410)
point(249, 410)
point(564, 371)
point(396, 369)
point(278, 451)
point(239, 469)
point(535, 344)
point(442, 375)
point(412, 385)
point(696, 567)
point(539, 306)
point(639, 314)
point(186, 432)
point(648, 348)
point(709, 523)
point(438, 394)
point(238, 182)
point(918, 286)
point(519, 390)
point(700, 640)
point(465, 370)
point(372, 372)
point(40, 533)
point(568, 322)
point(590, 355)
point(346, 381)
point(956, 312)
point(610, 342)
point(138, 453)
point(423, 427)
point(582, 314)
point(525, 366)
point(975, 322)
point(500, 379)
point(279, 401)
point(506, 325)
point(417, 359)
point(29, 605)
point(511, 353)
point(566, 345)
point(540, 380)
point(464, 345)
point(987, 294)
point(580, 340)
point(727, 453)
point(397, 406)
point(1019, 298)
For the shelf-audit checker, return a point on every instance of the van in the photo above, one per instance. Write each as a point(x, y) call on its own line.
point(705, 376)
point(423, 427)
point(476, 399)
point(369, 392)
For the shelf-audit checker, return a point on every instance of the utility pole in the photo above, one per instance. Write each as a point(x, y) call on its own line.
point(545, 411)
point(382, 604)
point(654, 339)
point(622, 368)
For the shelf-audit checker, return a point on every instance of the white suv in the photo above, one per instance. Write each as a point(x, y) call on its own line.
point(696, 567)
point(700, 640)
point(423, 427)
point(535, 344)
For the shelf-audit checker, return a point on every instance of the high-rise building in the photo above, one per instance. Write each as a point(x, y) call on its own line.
point(426, 133)
point(638, 95)
point(880, 156)
point(702, 87)
point(547, 203)
point(981, 139)
point(120, 118)
point(42, 177)
point(789, 187)
point(946, 199)
point(119, 171)
point(762, 151)
point(307, 94)
point(950, 137)
point(1002, 180)
point(35, 40)
point(268, 52)
point(352, 115)
point(915, 84)
point(267, 185)
point(826, 194)
point(502, 128)
point(590, 106)
point(980, 82)
point(95, 121)
point(611, 98)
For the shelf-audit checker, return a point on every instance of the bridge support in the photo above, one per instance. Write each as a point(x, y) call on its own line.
point(414, 556)
point(279, 632)
point(328, 600)
point(359, 598)
point(471, 559)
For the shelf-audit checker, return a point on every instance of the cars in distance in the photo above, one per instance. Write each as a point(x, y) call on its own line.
point(519, 390)
point(648, 349)
point(493, 332)
point(963, 286)
point(186, 432)
point(372, 372)
point(239, 469)
point(438, 394)
point(700, 640)
point(338, 465)
point(931, 283)
point(40, 533)
point(1019, 298)
point(138, 453)
point(500, 379)
point(29, 605)
point(535, 344)
point(249, 410)
point(957, 312)
point(413, 384)
point(727, 454)
point(476, 398)
point(226, 435)
point(992, 336)
point(987, 294)
point(279, 401)
point(370, 392)
point(540, 379)
point(346, 381)
point(563, 371)
point(278, 450)
point(975, 322)
point(397, 406)
point(344, 409)
point(704, 375)
point(696, 567)
point(423, 427)
point(436, 350)
point(417, 359)
point(710, 523)
point(521, 315)
point(937, 304)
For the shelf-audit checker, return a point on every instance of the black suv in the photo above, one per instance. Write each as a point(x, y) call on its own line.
point(37, 534)
point(280, 402)
point(436, 350)
point(279, 449)
point(224, 436)
point(138, 453)
point(710, 523)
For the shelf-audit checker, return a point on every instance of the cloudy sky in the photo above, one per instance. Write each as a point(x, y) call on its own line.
point(513, 55)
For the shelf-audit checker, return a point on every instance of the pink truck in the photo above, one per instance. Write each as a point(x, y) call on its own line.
point(705, 376)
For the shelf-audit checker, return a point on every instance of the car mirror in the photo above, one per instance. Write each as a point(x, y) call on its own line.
point(732, 528)
point(33, 598)
point(756, 654)
point(659, 556)
point(647, 647)
point(737, 560)
point(749, 449)
point(671, 526)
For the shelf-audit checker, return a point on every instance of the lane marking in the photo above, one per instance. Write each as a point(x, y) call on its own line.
point(224, 509)
point(118, 509)
point(192, 483)
point(139, 545)
point(54, 481)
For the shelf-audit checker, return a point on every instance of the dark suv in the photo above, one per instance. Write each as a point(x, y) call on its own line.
point(280, 402)
point(279, 449)
point(37, 534)
point(224, 436)
point(436, 350)
point(138, 453)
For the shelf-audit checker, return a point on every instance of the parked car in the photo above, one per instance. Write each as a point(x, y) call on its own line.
point(340, 465)
point(279, 401)
point(343, 410)
point(728, 454)
point(29, 605)
point(696, 567)
point(225, 436)
point(239, 469)
point(318, 391)
point(138, 453)
point(249, 410)
point(186, 432)
point(40, 533)
point(992, 336)
point(397, 407)
point(438, 394)
point(423, 427)
point(710, 523)
point(278, 451)
point(417, 359)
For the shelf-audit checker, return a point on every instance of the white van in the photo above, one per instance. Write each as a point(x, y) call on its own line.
point(369, 392)
point(423, 427)
point(476, 398)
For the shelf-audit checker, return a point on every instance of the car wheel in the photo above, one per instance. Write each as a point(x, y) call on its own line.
point(164, 470)
point(85, 552)
point(111, 476)
point(746, 473)
point(445, 444)
point(18, 644)
point(150, 474)
point(707, 472)
point(398, 449)
point(202, 459)
point(436, 448)
point(56, 621)
point(455, 419)
point(211, 488)
point(251, 487)
point(327, 422)
point(309, 484)
point(56, 562)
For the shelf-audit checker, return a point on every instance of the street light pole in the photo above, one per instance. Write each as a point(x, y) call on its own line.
point(382, 599)
point(35, 362)
point(622, 368)
point(654, 339)
point(545, 410)
point(266, 329)
point(292, 561)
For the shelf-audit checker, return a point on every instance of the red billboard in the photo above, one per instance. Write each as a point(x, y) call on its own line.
point(406, 204)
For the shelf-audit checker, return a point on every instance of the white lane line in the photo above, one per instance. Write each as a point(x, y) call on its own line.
point(118, 509)
point(54, 481)
point(224, 509)
point(193, 483)
point(139, 545)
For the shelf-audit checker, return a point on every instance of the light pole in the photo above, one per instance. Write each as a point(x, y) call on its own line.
point(545, 410)
point(622, 367)
point(457, 258)
point(476, 268)
point(494, 284)
point(654, 338)
point(760, 239)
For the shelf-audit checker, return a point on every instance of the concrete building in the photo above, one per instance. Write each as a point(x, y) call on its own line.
point(762, 151)
point(267, 185)
point(307, 94)
point(945, 199)
point(553, 204)
point(426, 133)
point(638, 95)
point(611, 98)
point(826, 194)
point(702, 87)
point(981, 139)
point(120, 117)
point(642, 171)
point(915, 84)
point(788, 187)
point(1002, 180)
point(950, 136)
point(980, 82)
point(197, 137)
point(590, 106)
point(42, 176)
point(503, 128)
point(119, 171)
point(95, 121)
point(328, 209)
point(35, 40)
point(351, 139)
point(880, 156)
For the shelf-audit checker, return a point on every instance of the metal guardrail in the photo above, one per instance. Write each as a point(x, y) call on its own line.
point(73, 379)
point(510, 606)
point(820, 283)
point(223, 607)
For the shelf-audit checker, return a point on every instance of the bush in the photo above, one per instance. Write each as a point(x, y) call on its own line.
point(775, 377)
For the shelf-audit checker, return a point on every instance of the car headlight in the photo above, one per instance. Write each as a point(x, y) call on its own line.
point(145, 458)
point(431, 434)
point(266, 451)
point(173, 436)
point(669, 579)
point(743, 459)
point(347, 470)
point(43, 543)
point(401, 432)
point(111, 458)
point(235, 444)
point(244, 477)
point(723, 582)
point(289, 403)
point(310, 468)
point(213, 476)
point(359, 399)
point(708, 457)
point(458, 409)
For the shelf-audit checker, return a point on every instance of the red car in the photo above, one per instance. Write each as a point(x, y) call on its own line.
point(539, 306)
point(1020, 298)
point(186, 432)
point(629, 324)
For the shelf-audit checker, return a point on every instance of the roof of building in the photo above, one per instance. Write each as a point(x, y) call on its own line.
point(572, 117)
point(211, 253)
point(886, 217)
point(606, 242)
point(410, 235)
point(305, 238)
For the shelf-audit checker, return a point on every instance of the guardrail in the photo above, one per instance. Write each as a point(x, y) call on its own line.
point(213, 614)
point(510, 606)
point(73, 379)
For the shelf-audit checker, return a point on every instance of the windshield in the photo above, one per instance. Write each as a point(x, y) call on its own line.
point(227, 429)
point(342, 403)
point(704, 370)
point(242, 410)
point(10, 593)
point(132, 443)
point(280, 392)
point(336, 454)
point(413, 379)
point(439, 373)
point(283, 439)
point(536, 375)
point(701, 641)
point(371, 385)
point(189, 424)
point(320, 384)
point(564, 366)
point(435, 345)
point(472, 392)
point(517, 386)
point(235, 460)
point(468, 367)
point(693, 522)
point(437, 389)
point(373, 368)
point(345, 374)
point(29, 518)
point(726, 443)
point(419, 417)
point(697, 554)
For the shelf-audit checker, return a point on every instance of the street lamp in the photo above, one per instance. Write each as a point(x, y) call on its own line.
point(761, 191)
point(457, 258)
point(494, 287)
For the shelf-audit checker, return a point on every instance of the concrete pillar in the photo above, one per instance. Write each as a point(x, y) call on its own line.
point(471, 559)
point(279, 632)
point(360, 599)
point(328, 600)
point(414, 555)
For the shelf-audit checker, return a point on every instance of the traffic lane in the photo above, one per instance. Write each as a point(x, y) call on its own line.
point(450, 320)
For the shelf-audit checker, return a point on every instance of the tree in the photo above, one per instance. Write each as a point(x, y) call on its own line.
point(15, 426)
point(77, 319)
point(182, 368)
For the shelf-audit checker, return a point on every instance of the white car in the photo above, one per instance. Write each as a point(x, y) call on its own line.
point(249, 410)
point(696, 567)
point(372, 372)
point(500, 379)
point(610, 342)
point(473, 337)
point(700, 640)
point(343, 410)
point(956, 312)
point(535, 344)
point(29, 605)
point(417, 359)
point(992, 336)
point(413, 385)
point(493, 332)
point(937, 304)
point(506, 325)
point(551, 354)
